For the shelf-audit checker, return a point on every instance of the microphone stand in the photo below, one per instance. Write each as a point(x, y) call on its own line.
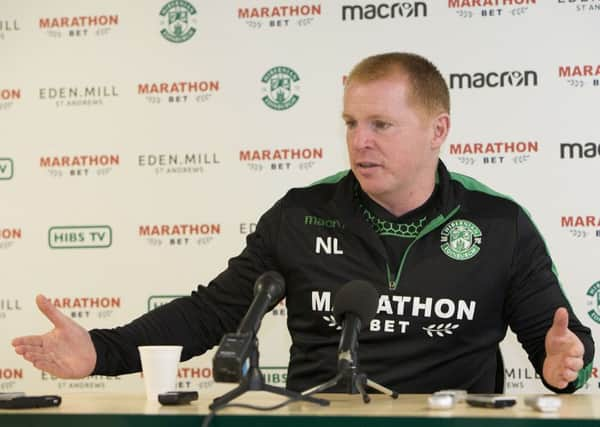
point(254, 380)
point(357, 383)
point(348, 372)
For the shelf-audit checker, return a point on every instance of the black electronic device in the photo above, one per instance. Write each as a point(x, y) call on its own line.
point(177, 397)
point(10, 394)
point(230, 363)
point(490, 400)
point(236, 359)
point(30, 402)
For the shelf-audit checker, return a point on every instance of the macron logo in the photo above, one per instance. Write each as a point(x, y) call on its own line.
point(329, 246)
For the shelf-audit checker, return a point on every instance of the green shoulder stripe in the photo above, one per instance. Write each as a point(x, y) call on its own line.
point(583, 375)
point(472, 184)
point(331, 179)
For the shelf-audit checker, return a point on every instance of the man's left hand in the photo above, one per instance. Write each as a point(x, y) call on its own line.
point(564, 352)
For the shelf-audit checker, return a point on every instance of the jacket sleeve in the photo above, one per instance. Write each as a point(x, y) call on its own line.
point(197, 321)
point(534, 295)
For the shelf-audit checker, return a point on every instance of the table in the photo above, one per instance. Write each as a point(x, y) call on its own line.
point(104, 409)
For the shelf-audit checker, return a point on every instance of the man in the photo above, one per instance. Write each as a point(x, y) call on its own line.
point(454, 264)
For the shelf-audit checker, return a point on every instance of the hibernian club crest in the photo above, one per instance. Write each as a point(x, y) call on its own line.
point(280, 85)
point(593, 294)
point(177, 21)
point(461, 239)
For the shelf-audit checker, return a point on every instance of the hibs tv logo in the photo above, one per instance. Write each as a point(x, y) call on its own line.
point(176, 21)
point(281, 87)
point(593, 294)
point(460, 239)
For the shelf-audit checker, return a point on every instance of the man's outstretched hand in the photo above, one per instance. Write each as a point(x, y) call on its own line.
point(66, 351)
point(564, 352)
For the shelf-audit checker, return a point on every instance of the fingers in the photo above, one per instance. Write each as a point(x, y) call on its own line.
point(561, 320)
point(27, 340)
point(50, 311)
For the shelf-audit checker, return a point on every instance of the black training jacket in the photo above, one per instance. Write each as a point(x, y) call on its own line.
point(476, 268)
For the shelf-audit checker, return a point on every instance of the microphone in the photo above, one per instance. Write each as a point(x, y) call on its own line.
point(231, 361)
point(354, 306)
point(268, 290)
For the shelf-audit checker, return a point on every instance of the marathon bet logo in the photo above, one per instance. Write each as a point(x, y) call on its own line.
point(8, 97)
point(581, 226)
point(9, 378)
point(281, 158)
point(179, 92)
point(80, 237)
point(78, 96)
point(7, 169)
point(179, 234)
point(178, 163)
point(79, 26)
point(85, 307)
point(582, 5)
point(8, 26)
point(280, 86)
point(391, 308)
point(177, 19)
point(194, 378)
point(9, 236)
point(9, 305)
point(493, 79)
point(382, 10)
point(576, 150)
point(494, 153)
point(460, 239)
point(80, 165)
point(490, 8)
point(580, 75)
point(593, 302)
point(279, 16)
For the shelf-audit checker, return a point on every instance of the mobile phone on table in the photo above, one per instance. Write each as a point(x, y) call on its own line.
point(30, 402)
point(10, 395)
point(490, 400)
point(177, 397)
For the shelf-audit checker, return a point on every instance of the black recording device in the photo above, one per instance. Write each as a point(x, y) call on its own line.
point(177, 397)
point(490, 400)
point(22, 401)
point(231, 360)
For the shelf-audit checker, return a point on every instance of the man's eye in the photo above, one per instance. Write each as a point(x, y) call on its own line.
point(350, 124)
point(380, 125)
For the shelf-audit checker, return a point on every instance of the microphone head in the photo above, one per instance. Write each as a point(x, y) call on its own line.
point(358, 297)
point(272, 282)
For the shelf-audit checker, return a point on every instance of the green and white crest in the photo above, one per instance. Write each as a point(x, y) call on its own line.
point(176, 20)
point(593, 294)
point(460, 239)
point(281, 87)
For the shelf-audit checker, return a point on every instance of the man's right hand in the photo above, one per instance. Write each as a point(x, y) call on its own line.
point(66, 351)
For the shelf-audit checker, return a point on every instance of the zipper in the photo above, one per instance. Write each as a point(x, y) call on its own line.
point(432, 225)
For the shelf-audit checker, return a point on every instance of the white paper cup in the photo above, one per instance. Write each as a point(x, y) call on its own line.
point(159, 365)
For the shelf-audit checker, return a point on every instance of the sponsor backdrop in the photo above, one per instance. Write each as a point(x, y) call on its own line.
point(142, 140)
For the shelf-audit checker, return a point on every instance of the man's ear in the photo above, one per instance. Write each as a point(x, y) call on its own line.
point(441, 127)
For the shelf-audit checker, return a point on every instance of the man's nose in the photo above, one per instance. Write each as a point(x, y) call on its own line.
point(361, 137)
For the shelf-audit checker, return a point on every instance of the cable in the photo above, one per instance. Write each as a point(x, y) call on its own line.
point(213, 412)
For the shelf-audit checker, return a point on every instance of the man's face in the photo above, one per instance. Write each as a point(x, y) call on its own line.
point(393, 146)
